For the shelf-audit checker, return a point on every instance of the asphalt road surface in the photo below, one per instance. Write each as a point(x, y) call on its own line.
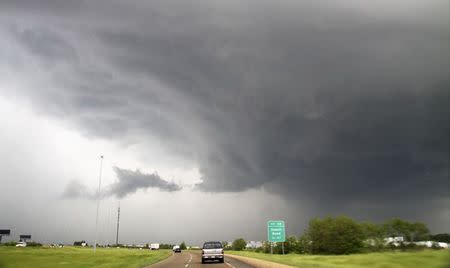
point(192, 259)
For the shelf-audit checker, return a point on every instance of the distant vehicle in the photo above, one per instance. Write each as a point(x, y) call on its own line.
point(21, 244)
point(154, 246)
point(212, 251)
point(176, 249)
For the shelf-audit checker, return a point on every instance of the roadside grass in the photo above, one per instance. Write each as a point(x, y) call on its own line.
point(419, 259)
point(45, 257)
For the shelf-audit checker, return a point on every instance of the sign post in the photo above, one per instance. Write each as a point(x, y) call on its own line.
point(276, 233)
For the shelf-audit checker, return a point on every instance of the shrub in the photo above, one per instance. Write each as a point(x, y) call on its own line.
point(303, 244)
point(34, 244)
point(239, 244)
point(441, 238)
point(9, 244)
point(340, 235)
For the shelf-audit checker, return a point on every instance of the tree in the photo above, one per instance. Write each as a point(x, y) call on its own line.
point(445, 238)
point(373, 235)
point(183, 246)
point(410, 231)
point(165, 246)
point(290, 245)
point(266, 246)
point(225, 245)
point(79, 243)
point(239, 244)
point(372, 230)
point(340, 235)
point(303, 244)
point(397, 227)
point(419, 232)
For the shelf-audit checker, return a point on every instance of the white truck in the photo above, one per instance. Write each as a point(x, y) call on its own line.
point(212, 251)
point(154, 246)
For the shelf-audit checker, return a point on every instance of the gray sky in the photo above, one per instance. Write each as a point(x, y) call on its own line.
point(216, 116)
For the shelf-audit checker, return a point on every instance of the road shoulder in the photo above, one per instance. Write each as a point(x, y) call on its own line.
point(162, 262)
point(257, 263)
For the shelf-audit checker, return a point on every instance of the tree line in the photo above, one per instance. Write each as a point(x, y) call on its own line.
point(343, 235)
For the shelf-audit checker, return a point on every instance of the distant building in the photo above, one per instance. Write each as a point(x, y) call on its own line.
point(430, 244)
point(254, 244)
point(396, 241)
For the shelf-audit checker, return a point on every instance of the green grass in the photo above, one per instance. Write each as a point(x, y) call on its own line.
point(12, 257)
point(419, 259)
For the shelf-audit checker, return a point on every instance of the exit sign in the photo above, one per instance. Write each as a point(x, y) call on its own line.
point(276, 231)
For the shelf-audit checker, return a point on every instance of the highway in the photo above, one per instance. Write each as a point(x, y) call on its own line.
point(192, 259)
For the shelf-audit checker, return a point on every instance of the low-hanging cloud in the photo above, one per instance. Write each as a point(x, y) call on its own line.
point(131, 181)
point(77, 190)
point(128, 182)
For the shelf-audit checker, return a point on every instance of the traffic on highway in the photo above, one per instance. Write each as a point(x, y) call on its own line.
point(194, 259)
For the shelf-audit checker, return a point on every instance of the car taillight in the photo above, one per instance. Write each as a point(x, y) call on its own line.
point(203, 252)
point(222, 251)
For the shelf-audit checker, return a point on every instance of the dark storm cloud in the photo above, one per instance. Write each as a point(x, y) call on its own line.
point(46, 44)
point(128, 182)
point(330, 104)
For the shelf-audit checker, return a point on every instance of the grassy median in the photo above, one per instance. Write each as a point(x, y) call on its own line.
point(12, 257)
point(425, 259)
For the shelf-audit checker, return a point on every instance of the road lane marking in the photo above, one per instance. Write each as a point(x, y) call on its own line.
point(189, 262)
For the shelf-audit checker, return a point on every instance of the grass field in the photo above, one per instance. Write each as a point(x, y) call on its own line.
point(12, 257)
point(419, 259)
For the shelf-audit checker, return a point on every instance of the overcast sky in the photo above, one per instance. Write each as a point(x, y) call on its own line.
point(216, 116)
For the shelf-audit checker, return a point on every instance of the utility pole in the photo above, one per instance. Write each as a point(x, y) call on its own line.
point(118, 220)
point(98, 202)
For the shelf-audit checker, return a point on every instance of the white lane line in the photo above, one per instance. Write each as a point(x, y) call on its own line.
point(189, 262)
point(227, 263)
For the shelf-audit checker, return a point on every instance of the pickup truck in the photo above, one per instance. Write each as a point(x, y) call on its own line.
point(212, 251)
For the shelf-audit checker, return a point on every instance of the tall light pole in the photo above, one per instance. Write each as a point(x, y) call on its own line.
point(118, 221)
point(98, 202)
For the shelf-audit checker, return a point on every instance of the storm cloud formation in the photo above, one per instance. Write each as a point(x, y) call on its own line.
point(334, 103)
point(131, 181)
point(128, 182)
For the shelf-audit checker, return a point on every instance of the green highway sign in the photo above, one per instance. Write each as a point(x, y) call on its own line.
point(276, 231)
